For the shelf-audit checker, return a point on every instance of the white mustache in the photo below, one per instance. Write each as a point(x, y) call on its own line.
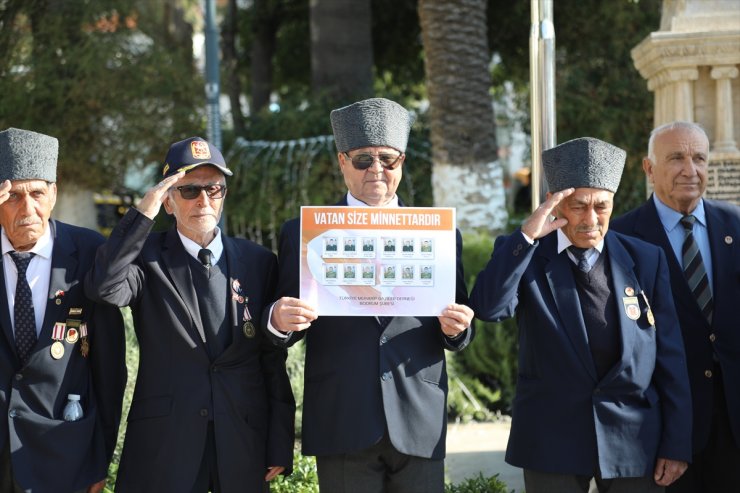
point(27, 221)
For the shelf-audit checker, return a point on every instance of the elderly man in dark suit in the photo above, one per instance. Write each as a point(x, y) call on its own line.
point(602, 390)
point(374, 407)
point(706, 291)
point(55, 342)
point(212, 409)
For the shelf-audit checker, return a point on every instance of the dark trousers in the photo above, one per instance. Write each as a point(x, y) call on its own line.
point(7, 483)
point(207, 479)
point(543, 482)
point(715, 469)
point(380, 469)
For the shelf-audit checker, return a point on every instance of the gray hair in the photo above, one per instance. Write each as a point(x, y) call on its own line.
point(667, 127)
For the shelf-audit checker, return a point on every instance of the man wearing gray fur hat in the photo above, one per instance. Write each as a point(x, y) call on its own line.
point(57, 345)
point(374, 407)
point(602, 392)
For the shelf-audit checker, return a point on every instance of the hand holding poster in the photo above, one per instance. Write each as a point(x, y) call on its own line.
point(378, 261)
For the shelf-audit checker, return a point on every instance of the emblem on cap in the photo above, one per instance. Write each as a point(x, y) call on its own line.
point(200, 149)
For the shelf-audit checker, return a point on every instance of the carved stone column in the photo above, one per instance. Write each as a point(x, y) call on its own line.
point(724, 131)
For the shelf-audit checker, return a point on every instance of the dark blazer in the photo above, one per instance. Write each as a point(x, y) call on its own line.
point(361, 377)
point(49, 454)
point(245, 391)
point(564, 418)
point(723, 224)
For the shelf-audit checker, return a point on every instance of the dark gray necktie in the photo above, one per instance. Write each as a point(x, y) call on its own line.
point(694, 270)
point(205, 256)
point(580, 255)
point(24, 317)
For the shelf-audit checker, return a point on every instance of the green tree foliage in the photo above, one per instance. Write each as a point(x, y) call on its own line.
point(103, 76)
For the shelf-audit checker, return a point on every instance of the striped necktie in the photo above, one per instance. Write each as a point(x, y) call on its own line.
point(694, 270)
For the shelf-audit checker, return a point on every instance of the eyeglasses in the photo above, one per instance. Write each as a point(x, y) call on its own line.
point(190, 192)
point(364, 161)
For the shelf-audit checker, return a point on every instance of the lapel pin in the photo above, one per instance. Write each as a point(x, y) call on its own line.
point(728, 239)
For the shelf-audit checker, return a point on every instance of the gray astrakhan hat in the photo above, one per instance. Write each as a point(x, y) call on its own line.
point(372, 122)
point(26, 155)
point(583, 163)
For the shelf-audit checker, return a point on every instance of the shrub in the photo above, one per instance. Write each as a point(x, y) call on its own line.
point(479, 484)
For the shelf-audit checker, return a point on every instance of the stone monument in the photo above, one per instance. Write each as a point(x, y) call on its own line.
point(692, 65)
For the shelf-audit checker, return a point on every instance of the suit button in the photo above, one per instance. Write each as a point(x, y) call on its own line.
point(712, 337)
point(386, 376)
point(708, 373)
point(13, 413)
point(383, 340)
point(204, 412)
point(19, 376)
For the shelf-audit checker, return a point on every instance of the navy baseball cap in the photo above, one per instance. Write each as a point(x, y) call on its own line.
point(188, 154)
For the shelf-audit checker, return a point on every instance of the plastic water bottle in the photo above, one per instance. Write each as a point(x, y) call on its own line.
point(73, 409)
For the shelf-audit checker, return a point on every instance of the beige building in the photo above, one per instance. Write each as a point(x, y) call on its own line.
point(692, 65)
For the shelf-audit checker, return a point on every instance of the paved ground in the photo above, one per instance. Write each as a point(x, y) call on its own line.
point(480, 447)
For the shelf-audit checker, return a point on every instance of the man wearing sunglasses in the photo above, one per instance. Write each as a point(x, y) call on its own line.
point(213, 409)
point(374, 408)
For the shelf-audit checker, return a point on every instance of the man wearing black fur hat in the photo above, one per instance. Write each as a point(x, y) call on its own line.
point(55, 341)
point(213, 409)
point(602, 390)
point(374, 408)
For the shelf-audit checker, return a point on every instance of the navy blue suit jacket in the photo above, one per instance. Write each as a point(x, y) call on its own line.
point(245, 391)
point(565, 418)
point(49, 454)
point(700, 339)
point(361, 377)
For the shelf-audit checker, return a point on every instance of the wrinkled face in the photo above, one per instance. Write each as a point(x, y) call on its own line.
point(374, 185)
point(588, 211)
point(25, 215)
point(196, 217)
point(679, 173)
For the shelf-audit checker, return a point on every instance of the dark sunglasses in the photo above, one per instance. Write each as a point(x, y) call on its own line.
point(364, 161)
point(190, 192)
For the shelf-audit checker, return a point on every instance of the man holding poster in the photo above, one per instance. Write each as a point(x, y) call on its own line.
point(375, 393)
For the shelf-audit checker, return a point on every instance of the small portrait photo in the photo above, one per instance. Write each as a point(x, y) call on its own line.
point(426, 245)
point(368, 271)
point(349, 244)
point(330, 271)
point(407, 272)
point(368, 245)
point(389, 272)
point(408, 245)
point(389, 244)
point(330, 244)
point(349, 271)
point(426, 272)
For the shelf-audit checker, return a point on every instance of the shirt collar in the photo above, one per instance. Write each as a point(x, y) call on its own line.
point(43, 248)
point(670, 218)
point(564, 242)
point(216, 246)
point(355, 202)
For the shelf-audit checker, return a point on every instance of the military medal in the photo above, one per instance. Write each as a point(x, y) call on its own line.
point(236, 289)
point(248, 328)
point(75, 311)
point(629, 291)
point(58, 295)
point(631, 307)
point(72, 335)
point(57, 348)
point(84, 344)
point(650, 317)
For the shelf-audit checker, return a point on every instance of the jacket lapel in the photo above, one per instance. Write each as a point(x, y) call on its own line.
point(721, 252)
point(7, 327)
point(63, 273)
point(237, 274)
point(176, 259)
point(563, 288)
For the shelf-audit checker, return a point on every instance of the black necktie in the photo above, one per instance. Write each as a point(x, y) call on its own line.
point(580, 255)
point(205, 256)
point(694, 270)
point(24, 317)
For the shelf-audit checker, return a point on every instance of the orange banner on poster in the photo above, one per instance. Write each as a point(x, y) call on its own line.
point(404, 218)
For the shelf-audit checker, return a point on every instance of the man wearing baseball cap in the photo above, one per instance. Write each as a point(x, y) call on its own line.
point(55, 342)
point(602, 391)
point(213, 409)
point(374, 407)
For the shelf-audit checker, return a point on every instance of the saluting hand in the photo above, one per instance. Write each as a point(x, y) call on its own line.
point(538, 224)
point(5, 191)
point(152, 200)
point(292, 314)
